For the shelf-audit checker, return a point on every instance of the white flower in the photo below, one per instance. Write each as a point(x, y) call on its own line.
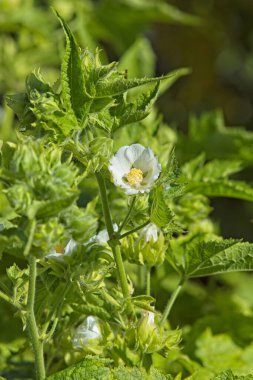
point(87, 331)
point(102, 237)
point(134, 168)
point(151, 232)
point(60, 251)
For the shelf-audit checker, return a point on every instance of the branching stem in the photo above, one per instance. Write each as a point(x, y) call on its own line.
point(9, 299)
point(134, 230)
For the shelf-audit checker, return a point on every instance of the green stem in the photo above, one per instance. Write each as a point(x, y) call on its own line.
point(127, 215)
point(37, 345)
point(142, 277)
point(170, 303)
point(114, 242)
point(56, 313)
point(134, 230)
point(148, 278)
point(8, 299)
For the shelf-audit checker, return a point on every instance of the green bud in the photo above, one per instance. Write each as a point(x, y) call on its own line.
point(20, 198)
point(151, 338)
point(148, 248)
point(88, 336)
point(47, 236)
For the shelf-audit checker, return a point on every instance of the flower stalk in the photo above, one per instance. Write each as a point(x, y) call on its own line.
point(128, 214)
point(113, 241)
point(171, 302)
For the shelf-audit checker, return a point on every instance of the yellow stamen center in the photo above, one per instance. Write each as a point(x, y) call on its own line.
point(135, 177)
point(59, 248)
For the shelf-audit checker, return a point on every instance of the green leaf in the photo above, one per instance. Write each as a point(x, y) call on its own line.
point(88, 369)
point(160, 212)
point(211, 178)
point(197, 169)
point(223, 188)
point(237, 257)
point(73, 87)
point(228, 375)
point(127, 113)
point(197, 255)
point(156, 375)
point(123, 373)
point(17, 102)
point(171, 171)
point(119, 85)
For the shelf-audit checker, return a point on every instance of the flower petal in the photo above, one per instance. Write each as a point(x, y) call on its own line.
point(70, 247)
point(151, 232)
point(120, 164)
point(145, 161)
point(133, 152)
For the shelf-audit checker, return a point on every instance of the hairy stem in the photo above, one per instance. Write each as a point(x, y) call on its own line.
point(114, 242)
point(171, 302)
point(128, 214)
point(37, 345)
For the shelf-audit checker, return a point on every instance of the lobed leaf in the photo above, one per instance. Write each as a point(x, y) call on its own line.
point(161, 215)
point(73, 87)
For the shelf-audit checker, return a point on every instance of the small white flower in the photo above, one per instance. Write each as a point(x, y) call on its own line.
point(134, 168)
point(87, 331)
point(151, 232)
point(102, 237)
point(60, 251)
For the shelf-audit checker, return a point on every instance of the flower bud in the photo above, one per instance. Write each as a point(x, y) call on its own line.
point(151, 338)
point(88, 335)
point(148, 248)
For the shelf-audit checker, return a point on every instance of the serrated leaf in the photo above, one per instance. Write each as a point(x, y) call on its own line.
point(127, 113)
point(160, 212)
point(17, 102)
point(105, 88)
point(157, 375)
point(195, 257)
point(223, 188)
point(73, 87)
point(88, 369)
point(171, 171)
point(228, 375)
point(237, 257)
point(123, 373)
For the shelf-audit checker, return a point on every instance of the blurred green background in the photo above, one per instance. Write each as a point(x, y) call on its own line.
point(213, 38)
